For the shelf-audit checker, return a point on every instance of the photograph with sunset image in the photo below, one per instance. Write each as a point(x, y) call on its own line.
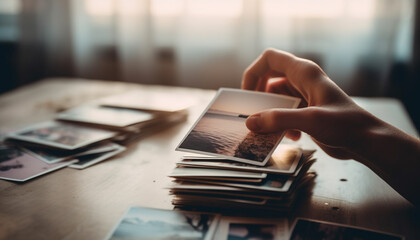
point(221, 129)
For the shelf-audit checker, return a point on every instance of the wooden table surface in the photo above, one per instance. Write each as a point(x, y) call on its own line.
point(86, 204)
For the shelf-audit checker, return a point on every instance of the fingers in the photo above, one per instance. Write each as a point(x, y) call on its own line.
point(262, 83)
point(293, 134)
point(270, 60)
point(282, 86)
point(277, 120)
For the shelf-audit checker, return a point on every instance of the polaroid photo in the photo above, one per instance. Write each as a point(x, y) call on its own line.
point(208, 200)
point(189, 186)
point(279, 184)
point(61, 135)
point(105, 116)
point(221, 131)
point(17, 165)
point(149, 223)
point(54, 155)
point(202, 173)
point(308, 228)
point(219, 196)
point(236, 228)
point(193, 187)
point(258, 195)
point(284, 160)
point(156, 102)
point(91, 159)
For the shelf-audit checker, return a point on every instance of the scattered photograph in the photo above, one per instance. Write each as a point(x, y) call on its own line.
point(85, 161)
point(106, 116)
point(244, 231)
point(160, 102)
point(17, 165)
point(61, 135)
point(148, 223)
point(221, 129)
point(231, 228)
point(50, 155)
point(311, 229)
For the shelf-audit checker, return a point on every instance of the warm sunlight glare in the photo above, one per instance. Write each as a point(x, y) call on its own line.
point(100, 8)
point(167, 8)
point(318, 9)
point(215, 8)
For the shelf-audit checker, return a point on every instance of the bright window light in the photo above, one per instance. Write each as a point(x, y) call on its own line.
point(318, 9)
point(167, 8)
point(216, 8)
point(100, 8)
point(9, 6)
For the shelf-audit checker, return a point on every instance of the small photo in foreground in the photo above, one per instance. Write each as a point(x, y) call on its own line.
point(148, 223)
point(221, 129)
point(244, 231)
point(243, 228)
point(311, 229)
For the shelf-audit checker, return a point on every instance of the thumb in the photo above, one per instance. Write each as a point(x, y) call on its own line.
point(277, 120)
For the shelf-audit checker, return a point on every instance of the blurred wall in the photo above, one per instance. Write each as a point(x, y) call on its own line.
point(203, 43)
point(366, 46)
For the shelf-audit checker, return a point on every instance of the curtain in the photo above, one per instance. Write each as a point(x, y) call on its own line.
point(208, 43)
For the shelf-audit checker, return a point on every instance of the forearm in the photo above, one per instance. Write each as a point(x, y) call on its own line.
point(395, 157)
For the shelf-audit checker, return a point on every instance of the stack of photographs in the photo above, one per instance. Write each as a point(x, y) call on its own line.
point(210, 183)
point(79, 138)
point(231, 167)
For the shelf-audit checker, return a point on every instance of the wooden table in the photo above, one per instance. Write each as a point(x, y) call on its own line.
point(86, 204)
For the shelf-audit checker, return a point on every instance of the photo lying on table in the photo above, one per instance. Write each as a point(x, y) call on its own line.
point(105, 116)
point(231, 228)
point(17, 165)
point(52, 155)
point(148, 223)
point(91, 159)
point(221, 129)
point(61, 135)
point(314, 229)
point(163, 101)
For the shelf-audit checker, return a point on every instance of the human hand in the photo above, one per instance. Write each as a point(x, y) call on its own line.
point(337, 124)
point(328, 114)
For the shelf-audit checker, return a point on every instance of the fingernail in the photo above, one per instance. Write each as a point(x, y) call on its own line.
point(253, 123)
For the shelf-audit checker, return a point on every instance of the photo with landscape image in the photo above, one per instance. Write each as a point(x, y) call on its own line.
point(221, 130)
point(148, 223)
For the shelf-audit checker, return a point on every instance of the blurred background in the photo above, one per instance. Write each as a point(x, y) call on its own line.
point(368, 47)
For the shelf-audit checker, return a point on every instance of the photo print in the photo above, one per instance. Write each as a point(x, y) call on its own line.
point(148, 223)
point(221, 130)
point(61, 135)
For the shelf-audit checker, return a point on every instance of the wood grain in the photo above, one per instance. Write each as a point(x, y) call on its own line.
point(86, 204)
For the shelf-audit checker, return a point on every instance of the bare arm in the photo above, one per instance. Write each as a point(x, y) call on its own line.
point(339, 126)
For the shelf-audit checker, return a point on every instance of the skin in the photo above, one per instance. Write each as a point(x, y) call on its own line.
point(335, 122)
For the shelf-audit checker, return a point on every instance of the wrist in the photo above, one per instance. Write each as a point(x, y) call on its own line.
point(394, 156)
